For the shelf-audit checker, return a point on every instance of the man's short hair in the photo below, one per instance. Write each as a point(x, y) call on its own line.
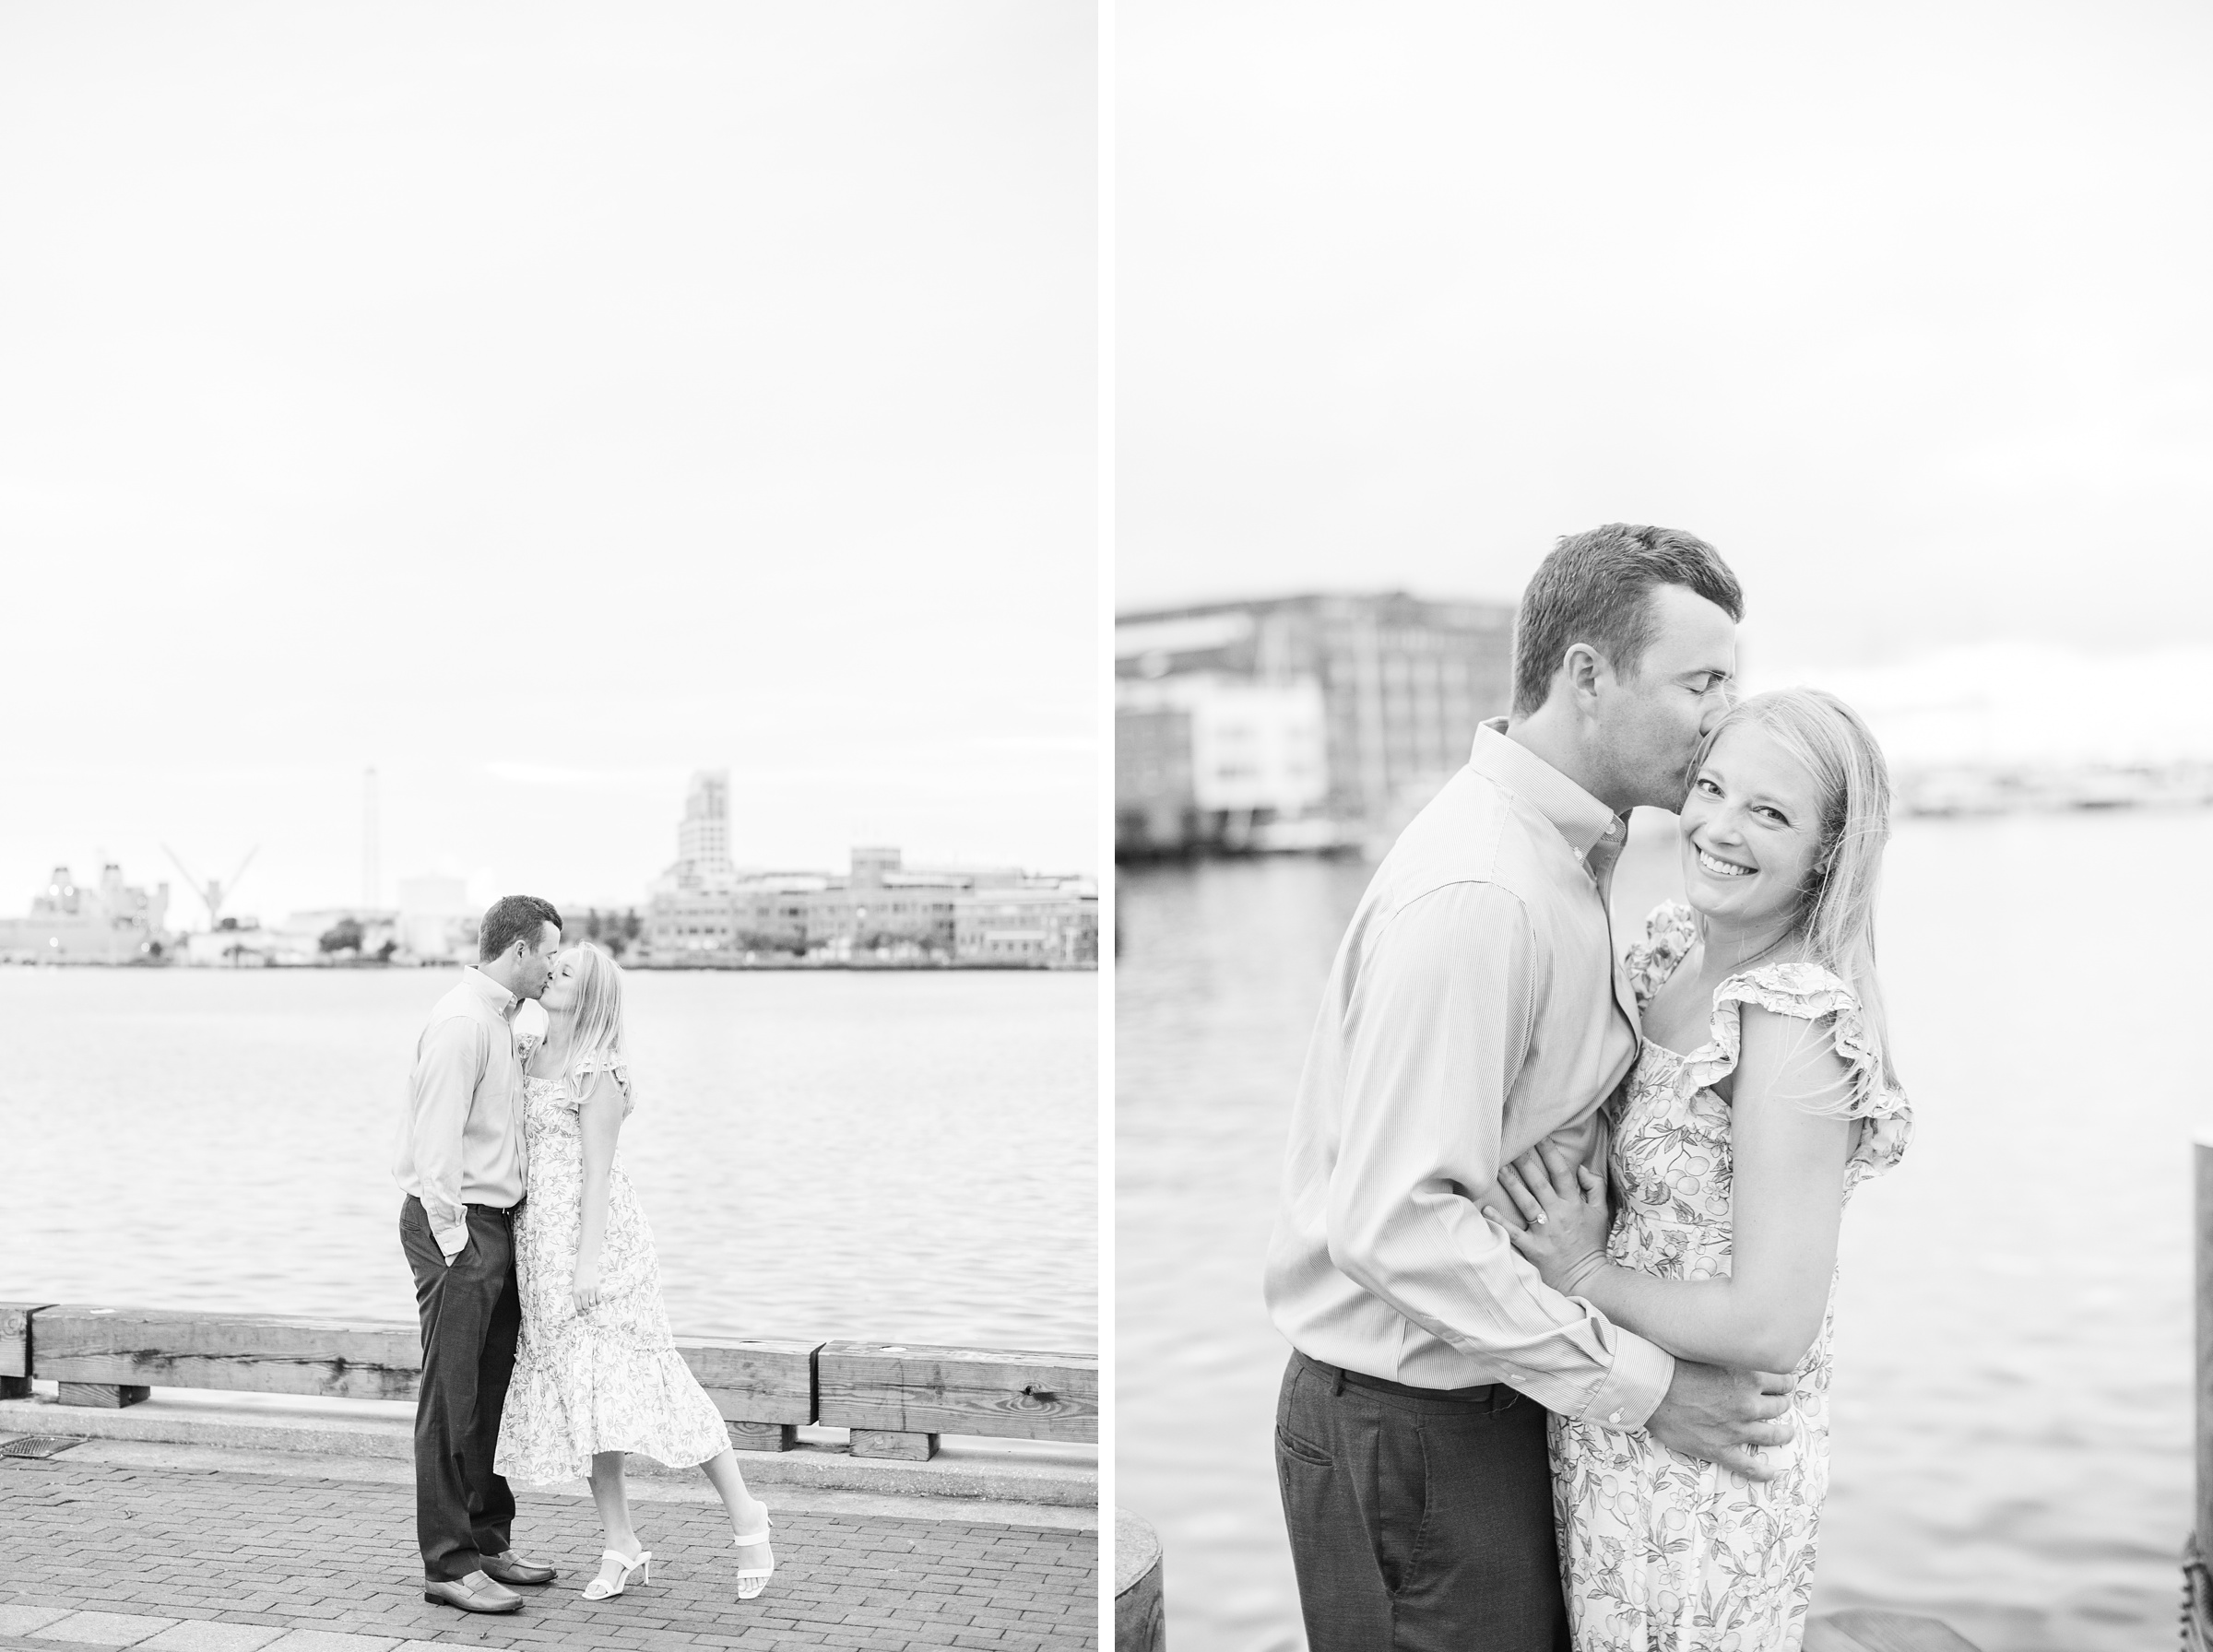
point(1596, 587)
point(512, 918)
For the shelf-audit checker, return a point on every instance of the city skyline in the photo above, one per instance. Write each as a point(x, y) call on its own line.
point(332, 877)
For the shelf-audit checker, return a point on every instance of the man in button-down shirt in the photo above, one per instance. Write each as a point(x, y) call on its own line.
point(1477, 1007)
point(461, 1165)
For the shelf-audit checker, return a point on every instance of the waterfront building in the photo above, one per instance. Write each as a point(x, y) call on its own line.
point(1042, 928)
point(1201, 754)
point(437, 923)
point(880, 910)
point(109, 922)
point(326, 933)
point(1403, 683)
point(233, 944)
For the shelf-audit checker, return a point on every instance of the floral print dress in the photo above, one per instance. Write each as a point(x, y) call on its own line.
point(1661, 1552)
point(610, 1379)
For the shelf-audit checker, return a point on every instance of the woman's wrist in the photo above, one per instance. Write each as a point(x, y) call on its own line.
point(1577, 1280)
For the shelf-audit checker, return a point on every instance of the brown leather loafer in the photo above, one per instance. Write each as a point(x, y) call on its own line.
point(508, 1569)
point(474, 1593)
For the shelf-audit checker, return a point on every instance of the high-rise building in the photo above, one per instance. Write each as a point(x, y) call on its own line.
point(703, 836)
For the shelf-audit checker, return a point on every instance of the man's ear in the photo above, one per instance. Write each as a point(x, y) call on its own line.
point(1582, 665)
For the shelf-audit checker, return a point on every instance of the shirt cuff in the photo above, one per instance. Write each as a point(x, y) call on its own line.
point(453, 1240)
point(1631, 1391)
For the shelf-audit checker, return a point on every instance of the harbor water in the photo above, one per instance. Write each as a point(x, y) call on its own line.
point(883, 1155)
point(2012, 1399)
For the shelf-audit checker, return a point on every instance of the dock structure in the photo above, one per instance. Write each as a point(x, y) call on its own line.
point(234, 1482)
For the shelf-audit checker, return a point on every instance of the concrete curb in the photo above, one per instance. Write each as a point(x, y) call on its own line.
point(1059, 1478)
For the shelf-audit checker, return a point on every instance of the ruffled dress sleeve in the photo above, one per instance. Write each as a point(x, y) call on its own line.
point(600, 1061)
point(1669, 933)
point(1883, 1119)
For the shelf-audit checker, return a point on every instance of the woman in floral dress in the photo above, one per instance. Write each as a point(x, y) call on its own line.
point(1762, 1095)
point(597, 1372)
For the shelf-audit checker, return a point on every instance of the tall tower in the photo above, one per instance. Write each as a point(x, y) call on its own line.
point(372, 881)
point(703, 836)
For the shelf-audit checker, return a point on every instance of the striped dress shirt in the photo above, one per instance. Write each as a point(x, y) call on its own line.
point(1477, 1007)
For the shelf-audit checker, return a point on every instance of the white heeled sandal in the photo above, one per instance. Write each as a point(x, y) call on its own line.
point(751, 1580)
point(600, 1589)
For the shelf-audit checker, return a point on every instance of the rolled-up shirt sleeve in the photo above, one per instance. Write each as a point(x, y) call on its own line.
point(447, 1069)
point(1436, 1029)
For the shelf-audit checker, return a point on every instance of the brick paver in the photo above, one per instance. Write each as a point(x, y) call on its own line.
point(220, 1561)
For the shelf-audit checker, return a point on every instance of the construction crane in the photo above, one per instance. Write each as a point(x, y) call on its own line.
point(211, 893)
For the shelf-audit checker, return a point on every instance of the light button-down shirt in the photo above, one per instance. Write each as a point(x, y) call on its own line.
point(1475, 1009)
point(461, 1140)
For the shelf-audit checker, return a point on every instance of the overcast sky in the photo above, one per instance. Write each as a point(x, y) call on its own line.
point(1902, 306)
point(538, 401)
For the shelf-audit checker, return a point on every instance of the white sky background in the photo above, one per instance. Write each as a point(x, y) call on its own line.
point(538, 401)
point(1902, 306)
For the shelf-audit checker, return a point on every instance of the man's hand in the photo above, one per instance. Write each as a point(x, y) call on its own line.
point(1725, 1417)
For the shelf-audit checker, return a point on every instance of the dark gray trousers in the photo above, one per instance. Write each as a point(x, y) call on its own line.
point(1419, 1522)
point(472, 1313)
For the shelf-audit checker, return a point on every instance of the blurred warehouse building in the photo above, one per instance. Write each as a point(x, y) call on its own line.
point(1296, 722)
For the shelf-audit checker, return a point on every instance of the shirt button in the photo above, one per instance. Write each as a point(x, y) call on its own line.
point(1615, 1418)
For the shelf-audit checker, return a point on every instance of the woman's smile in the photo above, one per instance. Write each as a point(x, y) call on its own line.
point(1715, 866)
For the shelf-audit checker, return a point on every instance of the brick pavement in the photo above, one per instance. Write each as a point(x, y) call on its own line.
point(183, 1560)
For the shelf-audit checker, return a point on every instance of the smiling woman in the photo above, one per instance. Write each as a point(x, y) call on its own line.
point(1762, 1095)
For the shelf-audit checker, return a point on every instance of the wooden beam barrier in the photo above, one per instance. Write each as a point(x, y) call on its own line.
point(14, 1348)
point(897, 1397)
point(762, 1386)
point(108, 1356)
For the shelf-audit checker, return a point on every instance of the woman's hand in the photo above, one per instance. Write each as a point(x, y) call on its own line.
point(1562, 1210)
point(588, 1290)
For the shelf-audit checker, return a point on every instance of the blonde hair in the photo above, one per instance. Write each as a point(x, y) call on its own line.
point(1836, 913)
point(598, 1027)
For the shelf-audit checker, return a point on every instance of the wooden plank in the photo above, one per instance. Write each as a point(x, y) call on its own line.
point(911, 1387)
point(1865, 1631)
point(754, 1379)
point(904, 1447)
point(108, 1396)
point(762, 1436)
point(15, 1336)
point(266, 1353)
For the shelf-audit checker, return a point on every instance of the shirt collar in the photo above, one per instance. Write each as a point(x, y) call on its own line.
point(1575, 814)
point(491, 992)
